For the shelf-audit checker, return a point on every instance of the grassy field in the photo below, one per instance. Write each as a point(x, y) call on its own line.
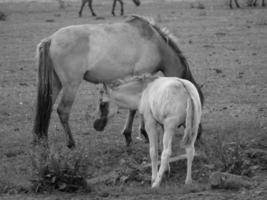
point(226, 50)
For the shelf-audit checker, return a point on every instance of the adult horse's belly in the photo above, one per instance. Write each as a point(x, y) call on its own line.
point(118, 54)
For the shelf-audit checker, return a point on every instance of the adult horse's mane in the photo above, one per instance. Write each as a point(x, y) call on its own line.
point(172, 41)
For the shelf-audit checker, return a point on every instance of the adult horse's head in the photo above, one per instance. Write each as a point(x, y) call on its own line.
point(137, 2)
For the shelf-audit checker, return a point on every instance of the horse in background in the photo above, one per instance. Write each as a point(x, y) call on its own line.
point(100, 53)
point(136, 2)
point(165, 104)
point(250, 3)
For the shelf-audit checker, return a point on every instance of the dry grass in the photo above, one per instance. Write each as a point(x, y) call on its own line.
point(60, 169)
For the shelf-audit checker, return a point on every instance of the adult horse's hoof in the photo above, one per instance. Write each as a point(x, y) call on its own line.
point(100, 124)
point(128, 137)
point(144, 133)
point(71, 145)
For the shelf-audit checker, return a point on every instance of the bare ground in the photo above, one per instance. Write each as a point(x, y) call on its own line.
point(227, 52)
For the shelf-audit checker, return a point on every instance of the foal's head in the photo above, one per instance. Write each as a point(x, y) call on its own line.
point(120, 94)
point(137, 2)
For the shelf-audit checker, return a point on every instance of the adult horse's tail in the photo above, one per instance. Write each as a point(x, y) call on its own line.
point(44, 102)
point(193, 114)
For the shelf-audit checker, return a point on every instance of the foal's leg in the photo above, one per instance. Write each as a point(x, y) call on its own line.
point(190, 152)
point(64, 109)
point(151, 127)
point(91, 7)
point(169, 130)
point(82, 5)
point(113, 7)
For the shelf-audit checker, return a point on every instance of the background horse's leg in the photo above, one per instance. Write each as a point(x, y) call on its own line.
point(122, 10)
point(82, 5)
point(127, 130)
point(230, 3)
point(236, 3)
point(91, 7)
point(113, 7)
point(64, 109)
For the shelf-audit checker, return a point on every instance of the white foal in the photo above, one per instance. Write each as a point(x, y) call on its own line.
point(170, 102)
point(166, 101)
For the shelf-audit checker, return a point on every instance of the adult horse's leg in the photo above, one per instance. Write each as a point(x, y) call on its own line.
point(113, 7)
point(64, 109)
point(82, 5)
point(127, 130)
point(142, 130)
point(91, 7)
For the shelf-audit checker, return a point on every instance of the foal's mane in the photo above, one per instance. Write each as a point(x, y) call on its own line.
point(172, 41)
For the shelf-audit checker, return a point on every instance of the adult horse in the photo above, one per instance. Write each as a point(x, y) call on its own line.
point(136, 2)
point(100, 53)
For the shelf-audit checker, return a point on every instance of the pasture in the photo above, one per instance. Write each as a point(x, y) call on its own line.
point(226, 50)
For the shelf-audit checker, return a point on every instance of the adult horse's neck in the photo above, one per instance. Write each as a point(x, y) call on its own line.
point(174, 62)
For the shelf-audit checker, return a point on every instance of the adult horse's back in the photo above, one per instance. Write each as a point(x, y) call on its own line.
point(100, 53)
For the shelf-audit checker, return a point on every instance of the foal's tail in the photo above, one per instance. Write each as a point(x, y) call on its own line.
point(44, 91)
point(193, 114)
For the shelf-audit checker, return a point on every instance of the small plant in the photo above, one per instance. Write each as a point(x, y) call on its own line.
point(59, 170)
point(230, 157)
